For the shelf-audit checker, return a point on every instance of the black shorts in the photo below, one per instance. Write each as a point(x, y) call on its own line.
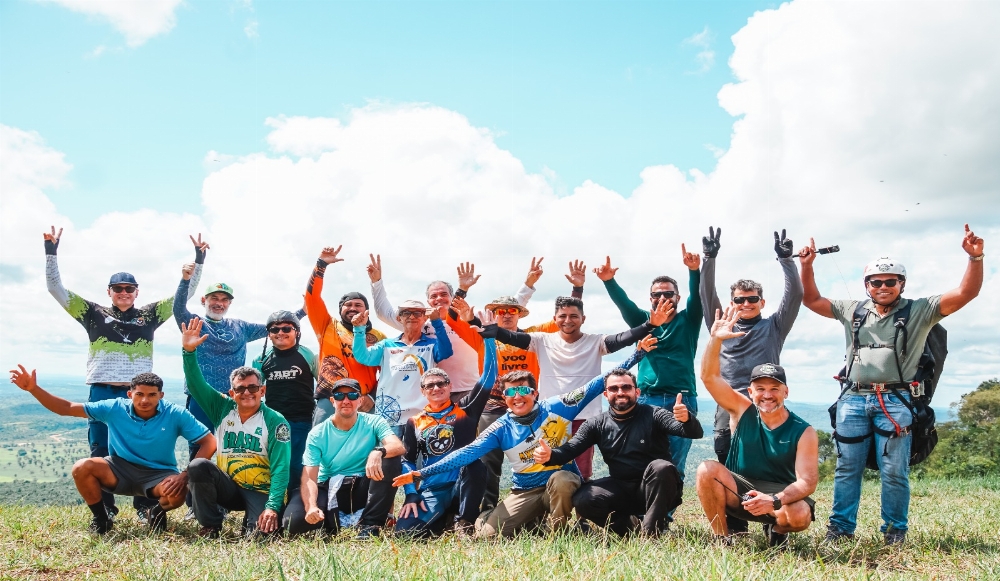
point(133, 479)
point(745, 485)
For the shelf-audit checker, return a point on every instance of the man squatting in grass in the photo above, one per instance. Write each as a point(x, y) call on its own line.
point(508, 312)
point(773, 462)
point(251, 473)
point(141, 461)
point(764, 336)
point(336, 340)
point(873, 368)
point(349, 463)
point(121, 345)
point(537, 491)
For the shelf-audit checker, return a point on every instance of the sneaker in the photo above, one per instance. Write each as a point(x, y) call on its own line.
point(101, 527)
point(895, 537)
point(724, 540)
point(834, 536)
point(210, 532)
point(189, 515)
point(367, 533)
point(774, 539)
point(156, 519)
point(464, 529)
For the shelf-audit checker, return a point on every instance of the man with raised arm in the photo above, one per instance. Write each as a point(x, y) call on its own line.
point(773, 463)
point(670, 369)
point(140, 462)
point(350, 462)
point(876, 399)
point(251, 469)
point(121, 344)
point(634, 441)
point(336, 339)
point(538, 491)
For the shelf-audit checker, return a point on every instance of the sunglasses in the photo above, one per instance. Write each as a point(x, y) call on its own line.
point(118, 288)
point(517, 390)
point(507, 311)
point(341, 395)
point(282, 329)
point(407, 314)
point(663, 295)
point(434, 384)
point(239, 390)
point(619, 388)
point(752, 300)
point(878, 283)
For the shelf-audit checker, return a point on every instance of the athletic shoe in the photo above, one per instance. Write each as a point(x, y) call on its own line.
point(156, 518)
point(464, 529)
point(834, 536)
point(189, 515)
point(367, 533)
point(101, 527)
point(210, 532)
point(774, 539)
point(895, 537)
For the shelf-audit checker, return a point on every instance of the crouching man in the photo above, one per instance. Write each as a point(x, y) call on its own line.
point(253, 460)
point(349, 464)
point(141, 434)
point(635, 442)
point(772, 466)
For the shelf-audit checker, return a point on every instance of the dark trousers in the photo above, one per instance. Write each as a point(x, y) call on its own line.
point(213, 493)
point(611, 502)
point(493, 461)
point(97, 437)
point(376, 496)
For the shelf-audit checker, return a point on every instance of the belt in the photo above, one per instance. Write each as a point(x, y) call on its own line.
point(881, 387)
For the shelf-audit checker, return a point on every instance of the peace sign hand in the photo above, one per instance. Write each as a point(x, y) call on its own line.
point(200, 248)
point(534, 273)
point(782, 245)
point(52, 240)
point(710, 244)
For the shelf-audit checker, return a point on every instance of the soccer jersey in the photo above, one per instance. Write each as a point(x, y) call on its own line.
point(146, 442)
point(344, 453)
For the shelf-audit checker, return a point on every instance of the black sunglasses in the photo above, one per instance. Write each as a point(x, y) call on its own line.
point(663, 295)
point(242, 388)
point(341, 395)
point(123, 289)
point(282, 329)
point(878, 283)
point(752, 300)
point(433, 384)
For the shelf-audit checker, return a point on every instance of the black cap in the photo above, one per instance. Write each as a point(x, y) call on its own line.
point(772, 370)
point(349, 383)
point(122, 278)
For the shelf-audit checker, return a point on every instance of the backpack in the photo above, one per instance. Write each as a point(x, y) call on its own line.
point(929, 369)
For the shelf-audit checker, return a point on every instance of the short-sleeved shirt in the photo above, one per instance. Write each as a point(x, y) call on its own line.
point(337, 452)
point(876, 362)
point(565, 366)
point(149, 442)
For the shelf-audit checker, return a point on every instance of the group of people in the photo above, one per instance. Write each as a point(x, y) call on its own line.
point(301, 442)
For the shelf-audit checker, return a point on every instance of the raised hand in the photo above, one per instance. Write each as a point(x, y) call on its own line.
point(691, 260)
point(187, 271)
point(486, 318)
point(360, 319)
point(710, 244)
point(647, 343)
point(21, 378)
point(680, 410)
point(662, 313)
point(375, 268)
point(722, 329)
point(52, 240)
point(329, 254)
point(438, 313)
point(467, 276)
point(462, 307)
point(542, 453)
point(200, 248)
point(191, 335)
point(808, 253)
point(577, 273)
point(605, 272)
point(972, 244)
point(782, 245)
point(534, 273)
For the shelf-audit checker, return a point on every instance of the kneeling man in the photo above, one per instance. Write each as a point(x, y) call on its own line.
point(349, 463)
point(253, 459)
point(772, 466)
point(634, 440)
point(141, 434)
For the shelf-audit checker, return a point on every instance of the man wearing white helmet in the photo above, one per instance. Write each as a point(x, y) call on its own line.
point(877, 369)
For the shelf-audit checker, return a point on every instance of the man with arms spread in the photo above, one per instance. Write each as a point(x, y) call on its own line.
point(289, 372)
point(879, 375)
point(141, 462)
point(634, 442)
point(336, 340)
point(537, 490)
point(773, 463)
point(121, 344)
point(669, 370)
point(253, 458)
point(350, 461)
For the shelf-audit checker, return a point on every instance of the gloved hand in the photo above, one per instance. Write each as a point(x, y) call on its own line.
point(710, 244)
point(782, 245)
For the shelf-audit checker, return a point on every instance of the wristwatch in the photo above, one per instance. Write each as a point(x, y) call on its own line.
point(381, 449)
point(777, 503)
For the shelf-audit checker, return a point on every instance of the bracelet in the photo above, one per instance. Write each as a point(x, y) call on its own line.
point(977, 258)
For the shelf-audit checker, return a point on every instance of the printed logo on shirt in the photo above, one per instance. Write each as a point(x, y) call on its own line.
point(388, 407)
point(574, 397)
point(281, 374)
point(230, 423)
point(241, 442)
point(259, 431)
point(282, 434)
point(440, 439)
point(411, 362)
point(513, 363)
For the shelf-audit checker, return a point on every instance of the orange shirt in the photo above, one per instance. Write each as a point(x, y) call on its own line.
point(336, 356)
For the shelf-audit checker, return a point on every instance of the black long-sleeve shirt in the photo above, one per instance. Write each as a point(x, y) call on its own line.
point(628, 443)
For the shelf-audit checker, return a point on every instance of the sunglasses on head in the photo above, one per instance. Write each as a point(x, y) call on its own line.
point(752, 300)
point(341, 395)
point(283, 329)
point(123, 288)
point(405, 314)
point(662, 295)
point(876, 283)
point(517, 390)
point(434, 384)
point(507, 311)
point(240, 389)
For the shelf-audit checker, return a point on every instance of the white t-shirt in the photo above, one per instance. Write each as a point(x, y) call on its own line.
point(564, 366)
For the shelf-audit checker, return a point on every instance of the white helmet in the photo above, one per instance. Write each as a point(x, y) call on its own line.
point(885, 265)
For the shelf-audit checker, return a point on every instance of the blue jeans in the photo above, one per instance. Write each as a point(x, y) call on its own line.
point(97, 437)
point(857, 415)
point(469, 490)
point(299, 432)
point(679, 447)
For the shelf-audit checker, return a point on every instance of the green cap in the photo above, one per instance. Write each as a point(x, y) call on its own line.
point(219, 287)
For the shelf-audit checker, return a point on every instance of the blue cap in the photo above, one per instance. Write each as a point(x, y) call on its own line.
point(122, 278)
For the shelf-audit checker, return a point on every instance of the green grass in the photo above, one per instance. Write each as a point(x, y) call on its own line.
point(954, 535)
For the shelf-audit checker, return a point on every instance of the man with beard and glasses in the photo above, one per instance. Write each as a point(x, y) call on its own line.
point(773, 463)
point(336, 340)
point(634, 441)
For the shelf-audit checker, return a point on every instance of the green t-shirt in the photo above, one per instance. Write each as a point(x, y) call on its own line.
point(760, 453)
point(337, 452)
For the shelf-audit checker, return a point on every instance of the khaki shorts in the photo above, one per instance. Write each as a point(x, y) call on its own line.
point(133, 479)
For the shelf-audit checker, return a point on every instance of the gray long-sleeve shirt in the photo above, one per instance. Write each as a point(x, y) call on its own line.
point(764, 338)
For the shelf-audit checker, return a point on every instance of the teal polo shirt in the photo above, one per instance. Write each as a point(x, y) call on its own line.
point(148, 443)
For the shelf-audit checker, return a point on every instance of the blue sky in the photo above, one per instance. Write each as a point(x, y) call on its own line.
point(589, 90)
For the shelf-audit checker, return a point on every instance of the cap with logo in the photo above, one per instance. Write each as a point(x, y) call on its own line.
point(772, 370)
point(219, 287)
point(122, 278)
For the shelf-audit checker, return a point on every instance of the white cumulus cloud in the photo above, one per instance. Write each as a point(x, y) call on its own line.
point(138, 20)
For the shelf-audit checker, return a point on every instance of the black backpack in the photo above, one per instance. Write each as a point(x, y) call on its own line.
point(929, 369)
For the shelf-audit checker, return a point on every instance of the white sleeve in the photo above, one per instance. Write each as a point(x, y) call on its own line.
point(54, 282)
point(383, 308)
point(524, 295)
